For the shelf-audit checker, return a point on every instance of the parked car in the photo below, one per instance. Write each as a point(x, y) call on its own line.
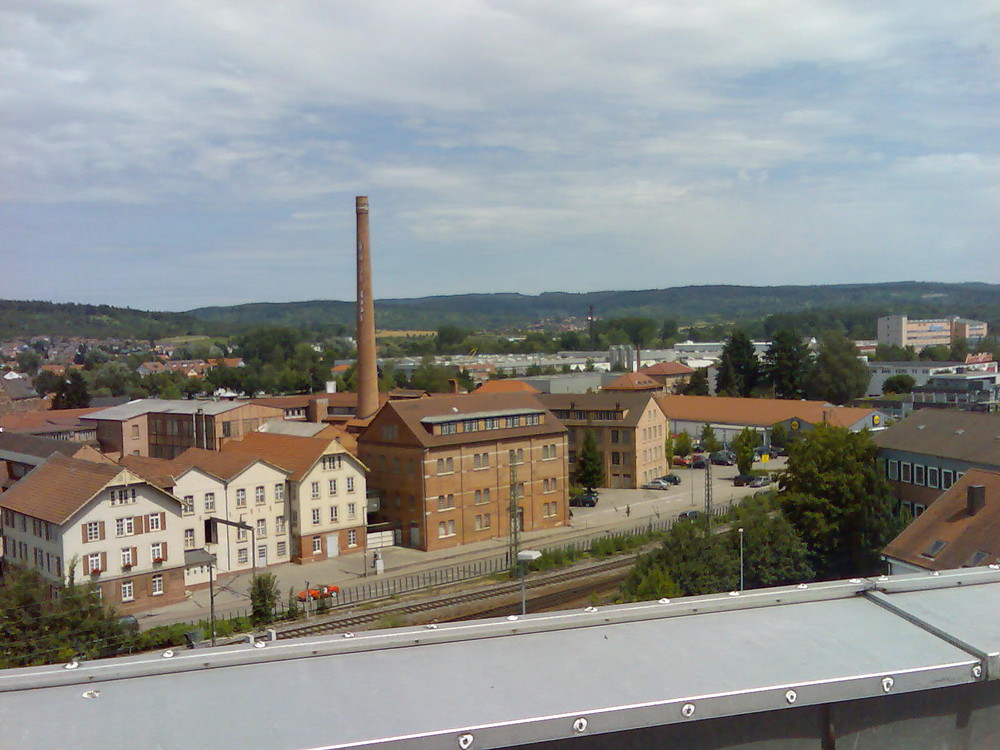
point(585, 499)
point(762, 481)
point(723, 458)
point(742, 480)
point(664, 483)
point(681, 461)
point(698, 462)
point(671, 479)
point(688, 515)
point(321, 592)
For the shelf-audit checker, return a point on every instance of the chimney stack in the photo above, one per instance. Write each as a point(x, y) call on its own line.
point(975, 498)
point(367, 375)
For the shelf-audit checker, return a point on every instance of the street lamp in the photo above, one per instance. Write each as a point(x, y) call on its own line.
point(741, 558)
point(524, 557)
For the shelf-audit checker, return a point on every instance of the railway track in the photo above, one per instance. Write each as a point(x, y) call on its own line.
point(339, 624)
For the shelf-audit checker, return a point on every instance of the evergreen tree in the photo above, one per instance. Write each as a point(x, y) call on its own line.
point(264, 597)
point(838, 375)
point(697, 384)
point(668, 450)
point(786, 364)
point(901, 383)
point(589, 471)
point(739, 368)
point(709, 441)
point(72, 393)
point(838, 501)
point(743, 446)
point(682, 445)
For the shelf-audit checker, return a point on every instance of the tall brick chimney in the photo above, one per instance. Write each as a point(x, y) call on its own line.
point(366, 373)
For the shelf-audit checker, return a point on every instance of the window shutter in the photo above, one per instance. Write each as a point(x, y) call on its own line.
point(104, 561)
point(83, 528)
point(135, 555)
point(163, 521)
point(101, 531)
point(163, 551)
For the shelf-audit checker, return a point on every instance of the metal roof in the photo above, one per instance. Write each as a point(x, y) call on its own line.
point(164, 406)
point(540, 678)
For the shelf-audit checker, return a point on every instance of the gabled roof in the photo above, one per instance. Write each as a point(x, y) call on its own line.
point(945, 536)
point(633, 404)
point(224, 465)
point(758, 412)
point(159, 471)
point(18, 388)
point(33, 450)
point(58, 488)
point(668, 369)
point(946, 433)
point(506, 386)
point(295, 454)
point(419, 414)
point(633, 381)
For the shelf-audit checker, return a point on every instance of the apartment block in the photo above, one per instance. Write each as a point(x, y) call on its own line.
point(453, 470)
point(326, 492)
point(898, 330)
point(88, 521)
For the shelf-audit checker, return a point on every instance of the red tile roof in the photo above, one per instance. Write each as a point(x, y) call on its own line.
point(760, 412)
point(58, 488)
point(297, 455)
point(506, 386)
point(669, 369)
point(633, 381)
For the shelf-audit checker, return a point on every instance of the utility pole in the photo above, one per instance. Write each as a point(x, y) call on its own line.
point(708, 488)
point(515, 522)
point(590, 326)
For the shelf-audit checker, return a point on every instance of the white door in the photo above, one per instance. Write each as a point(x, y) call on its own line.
point(332, 545)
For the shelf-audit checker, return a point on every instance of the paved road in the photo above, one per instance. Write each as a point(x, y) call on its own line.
point(615, 509)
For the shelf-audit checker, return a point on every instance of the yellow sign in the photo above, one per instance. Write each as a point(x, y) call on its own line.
point(795, 424)
point(764, 458)
point(875, 419)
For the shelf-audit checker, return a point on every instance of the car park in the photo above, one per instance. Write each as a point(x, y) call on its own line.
point(743, 480)
point(586, 499)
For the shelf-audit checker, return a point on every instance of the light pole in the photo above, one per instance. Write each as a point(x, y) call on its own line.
point(524, 557)
point(741, 558)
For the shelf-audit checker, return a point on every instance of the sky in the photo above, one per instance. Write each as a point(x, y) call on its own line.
point(173, 154)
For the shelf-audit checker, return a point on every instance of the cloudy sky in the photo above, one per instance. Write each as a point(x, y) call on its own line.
point(169, 154)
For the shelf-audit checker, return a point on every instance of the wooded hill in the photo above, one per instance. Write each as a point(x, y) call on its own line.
point(807, 308)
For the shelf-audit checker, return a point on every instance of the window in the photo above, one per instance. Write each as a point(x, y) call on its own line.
point(350, 484)
point(331, 462)
point(187, 505)
point(451, 527)
point(440, 466)
point(241, 534)
point(947, 478)
point(352, 538)
point(317, 542)
point(933, 477)
point(128, 559)
point(124, 526)
point(446, 502)
point(315, 516)
point(156, 552)
point(282, 549)
point(241, 556)
point(893, 470)
point(241, 498)
point(334, 514)
point(188, 538)
point(279, 491)
point(478, 497)
point(209, 502)
point(135, 432)
point(486, 460)
point(918, 474)
point(258, 494)
point(123, 496)
point(615, 436)
point(478, 523)
point(94, 531)
point(906, 472)
point(449, 464)
point(477, 461)
point(261, 528)
point(520, 455)
point(486, 521)
point(332, 487)
point(352, 511)
point(616, 458)
point(93, 562)
point(314, 489)
point(449, 428)
point(157, 585)
point(279, 525)
point(442, 530)
point(128, 591)
point(262, 553)
point(486, 495)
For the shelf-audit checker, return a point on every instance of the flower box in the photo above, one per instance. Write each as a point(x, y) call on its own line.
point(157, 559)
point(95, 571)
point(127, 567)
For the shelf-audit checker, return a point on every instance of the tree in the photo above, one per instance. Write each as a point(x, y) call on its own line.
point(709, 441)
point(648, 580)
point(779, 434)
point(901, 383)
point(28, 361)
point(589, 471)
point(668, 450)
point(72, 393)
point(739, 369)
point(638, 330)
point(264, 597)
point(959, 350)
point(743, 446)
point(682, 445)
point(838, 501)
point(45, 623)
point(47, 382)
point(937, 353)
point(773, 553)
point(838, 375)
point(893, 353)
point(697, 384)
point(786, 364)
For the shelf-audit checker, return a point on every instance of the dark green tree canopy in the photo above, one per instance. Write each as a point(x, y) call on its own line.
point(697, 384)
point(589, 472)
point(739, 368)
point(786, 364)
point(72, 393)
point(901, 383)
point(838, 375)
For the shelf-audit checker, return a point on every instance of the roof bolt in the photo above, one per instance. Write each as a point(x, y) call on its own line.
point(512, 618)
point(348, 635)
point(72, 665)
point(994, 566)
point(259, 644)
point(977, 671)
point(580, 725)
point(855, 580)
point(590, 609)
point(168, 653)
point(431, 626)
point(791, 696)
point(91, 693)
point(688, 710)
point(934, 573)
point(465, 741)
point(734, 593)
point(887, 683)
point(883, 578)
point(802, 586)
point(664, 601)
